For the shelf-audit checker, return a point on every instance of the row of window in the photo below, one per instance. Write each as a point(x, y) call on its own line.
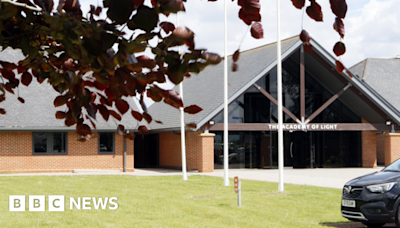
point(46, 143)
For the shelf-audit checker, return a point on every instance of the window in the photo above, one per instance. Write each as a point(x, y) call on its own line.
point(106, 143)
point(45, 143)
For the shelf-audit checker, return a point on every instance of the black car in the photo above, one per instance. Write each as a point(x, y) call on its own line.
point(374, 199)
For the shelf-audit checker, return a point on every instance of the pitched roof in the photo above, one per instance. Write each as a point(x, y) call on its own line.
point(38, 111)
point(206, 88)
point(382, 75)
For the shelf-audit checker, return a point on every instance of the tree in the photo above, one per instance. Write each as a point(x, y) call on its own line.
point(76, 53)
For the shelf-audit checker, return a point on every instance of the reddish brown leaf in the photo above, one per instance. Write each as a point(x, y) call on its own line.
point(192, 109)
point(299, 4)
point(61, 100)
point(257, 31)
point(2, 96)
point(60, 115)
point(236, 55)
point(115, 114)
point(22, 69)
point(120, 129)
point(130, 135)
point(146, 18)
point(155, 93)
point(250, 6)
point(91, 122)
point(2, 111)
point(137, 115)
point(137, 3)
point(173, 98)
point(21, 100)
point(83, 129)
point(211, 58)
point(167, 26)
point(143, 130)
point(122, 106)
point(314, 11)
point(234, 67)
point(191, 125)
point(90, 110)
point(339, 66)
point(308, 48)
point(146, 61)
point(26, 78)
point(69, 5)
point(8, 66)
point(147, 117)
point(120, 11)
point(157, 121)
point(104, 112)
point(339, 26)
point(305, 36)
point(171, 6)
point(248, 18)
point(339, 48)
point(339, 7)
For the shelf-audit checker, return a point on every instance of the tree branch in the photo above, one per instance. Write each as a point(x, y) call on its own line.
point(24, 5)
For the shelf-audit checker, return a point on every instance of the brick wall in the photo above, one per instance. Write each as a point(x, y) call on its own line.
point(169, 150)
point(380, 148)
point(369, 158)
point(16, 155)
point(199, 151)
point(392, 147)
point(206, 152)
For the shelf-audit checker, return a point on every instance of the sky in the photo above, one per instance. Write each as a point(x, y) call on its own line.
point(372, 28)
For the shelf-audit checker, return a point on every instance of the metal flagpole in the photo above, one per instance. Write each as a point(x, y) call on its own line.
point(226, 120)
point(280, 117)
point(183, 142)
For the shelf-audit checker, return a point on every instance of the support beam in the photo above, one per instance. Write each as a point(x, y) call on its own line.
point(302, 85)
point(271, 98)
point(326, 104)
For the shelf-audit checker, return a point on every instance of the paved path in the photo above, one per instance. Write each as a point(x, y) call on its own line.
point(326, 177)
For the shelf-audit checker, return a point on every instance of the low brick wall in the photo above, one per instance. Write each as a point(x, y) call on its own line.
point(16, 155)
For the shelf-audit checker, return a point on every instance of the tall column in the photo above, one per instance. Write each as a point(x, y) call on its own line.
point(206, 152)
point(368, 138)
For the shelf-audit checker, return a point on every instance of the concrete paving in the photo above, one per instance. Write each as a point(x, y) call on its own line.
point(326, 177)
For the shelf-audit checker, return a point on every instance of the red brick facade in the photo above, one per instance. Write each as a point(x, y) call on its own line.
point(16, 155)
point(380, 148)
point(368, 141)
point(199, 151)
point(392, 147)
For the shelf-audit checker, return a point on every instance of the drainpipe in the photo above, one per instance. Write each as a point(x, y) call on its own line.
point(125, 154)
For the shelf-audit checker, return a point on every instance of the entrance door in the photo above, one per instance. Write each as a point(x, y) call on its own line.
point(303, 146)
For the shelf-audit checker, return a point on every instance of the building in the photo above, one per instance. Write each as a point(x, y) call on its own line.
point(352, 119)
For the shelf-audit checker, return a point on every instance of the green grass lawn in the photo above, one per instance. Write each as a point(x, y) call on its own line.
point(170, 202)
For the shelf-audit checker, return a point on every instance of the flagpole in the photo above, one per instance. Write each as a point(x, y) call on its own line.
point(183, 142)
point(226, 120)
point(280, 117)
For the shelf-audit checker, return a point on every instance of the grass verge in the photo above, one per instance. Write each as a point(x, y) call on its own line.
point(168, 201)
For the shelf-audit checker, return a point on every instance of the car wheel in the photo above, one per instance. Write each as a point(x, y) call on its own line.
point(234, 160)
point(397, 219)
point(375, 225)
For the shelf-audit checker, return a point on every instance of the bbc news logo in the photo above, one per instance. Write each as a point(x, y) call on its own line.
point(57, 203)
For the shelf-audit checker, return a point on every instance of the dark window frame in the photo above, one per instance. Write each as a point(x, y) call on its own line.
point(50, 144)
point(113, 146)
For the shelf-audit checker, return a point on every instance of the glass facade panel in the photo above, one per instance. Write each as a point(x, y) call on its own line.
point(106, 142)
point(39, 142)
point(252, 149)
point(59, 144)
